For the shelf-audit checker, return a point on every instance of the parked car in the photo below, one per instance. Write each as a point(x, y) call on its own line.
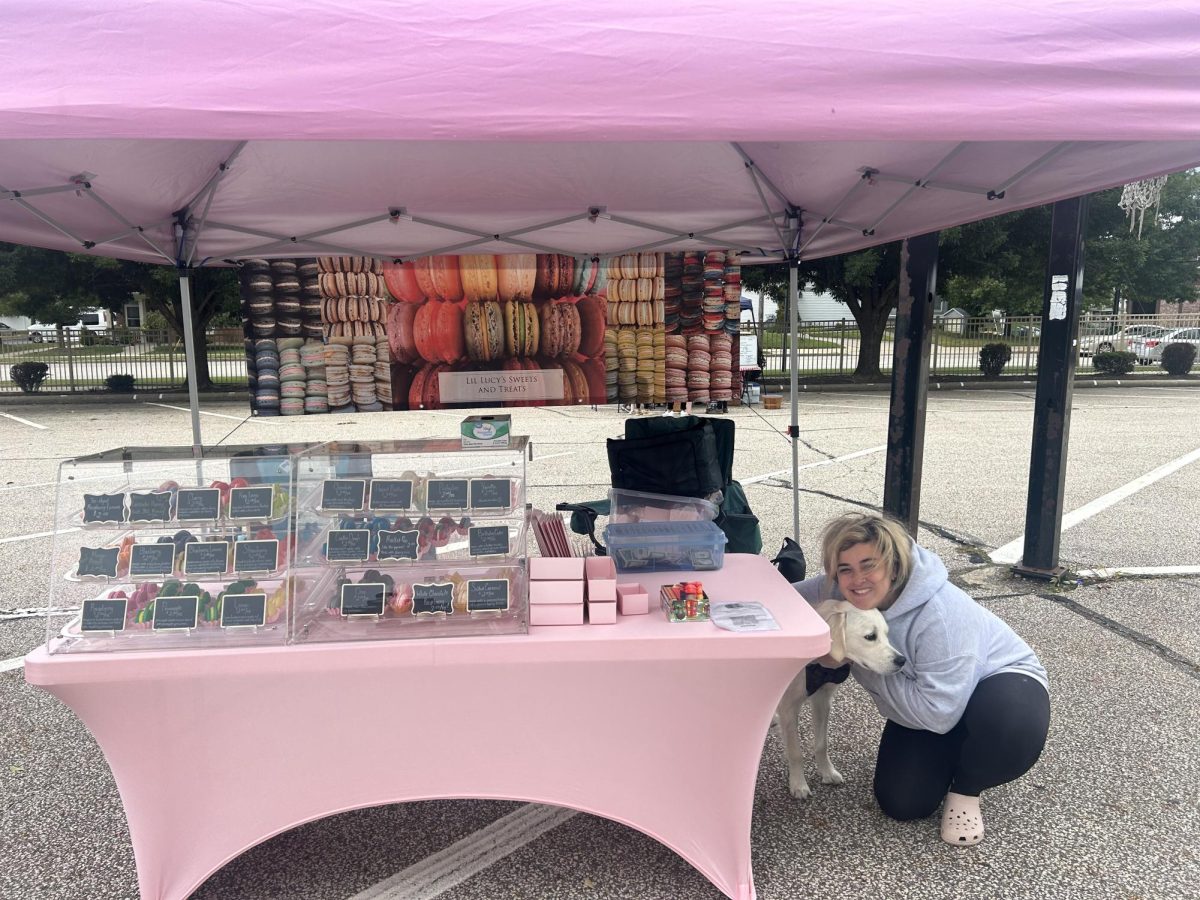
point(10, 335)
point(1151, 348)
point(1117, 339)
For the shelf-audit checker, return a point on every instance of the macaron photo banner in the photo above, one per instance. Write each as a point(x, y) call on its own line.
point(359, 334)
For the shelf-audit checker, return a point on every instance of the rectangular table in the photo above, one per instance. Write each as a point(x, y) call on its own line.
point(216, 751)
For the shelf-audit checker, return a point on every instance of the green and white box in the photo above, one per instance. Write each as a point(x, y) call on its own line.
point(486, 432)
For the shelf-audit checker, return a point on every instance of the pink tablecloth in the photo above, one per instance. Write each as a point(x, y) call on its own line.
point(214, 752)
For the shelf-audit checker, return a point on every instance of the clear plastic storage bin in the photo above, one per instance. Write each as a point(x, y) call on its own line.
point(665, 546)
point(638, 506)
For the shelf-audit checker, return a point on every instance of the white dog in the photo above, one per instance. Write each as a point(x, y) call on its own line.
point(855, 637)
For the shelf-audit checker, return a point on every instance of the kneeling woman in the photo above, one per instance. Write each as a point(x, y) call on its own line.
point(969, 710)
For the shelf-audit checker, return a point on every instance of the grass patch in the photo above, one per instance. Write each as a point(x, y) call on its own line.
point(773, 340)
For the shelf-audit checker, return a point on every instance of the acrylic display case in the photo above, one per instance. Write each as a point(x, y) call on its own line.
point(405, 539)
point(160, 549)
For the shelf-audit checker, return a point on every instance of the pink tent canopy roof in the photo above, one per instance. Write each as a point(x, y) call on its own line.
point(492, 118)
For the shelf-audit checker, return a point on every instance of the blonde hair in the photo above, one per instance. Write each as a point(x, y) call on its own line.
point(889, 536)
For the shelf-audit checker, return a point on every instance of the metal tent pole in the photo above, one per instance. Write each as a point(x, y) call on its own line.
point(794, 430)
point(189, 352)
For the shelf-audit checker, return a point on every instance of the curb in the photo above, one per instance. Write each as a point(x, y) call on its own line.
point(42, 399)
point(1023, 384)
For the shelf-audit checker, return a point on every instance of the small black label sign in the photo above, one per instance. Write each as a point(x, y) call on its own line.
point(391, 495)
point(488, 540)
point(255, 556)
point(251, 503)
point(363, 599)
point(152, 507)
point(150, 560)
point(487, 595)
point(97, 562)
point(103, 615)
point(344, 496)
point(348, 545)
point(432, 599)
point(172, 613)
point(491, 493)
point(198, 505)
point(243, 610)
point(398, 544)
point(446, 493)
point(103, 508)
point(209, 558)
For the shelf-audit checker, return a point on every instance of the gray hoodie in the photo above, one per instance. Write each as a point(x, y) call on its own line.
point(950, 642)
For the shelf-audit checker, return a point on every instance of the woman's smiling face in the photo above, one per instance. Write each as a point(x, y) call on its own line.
point(863, 578)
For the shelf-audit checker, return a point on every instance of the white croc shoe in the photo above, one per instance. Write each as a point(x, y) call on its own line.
point(962, 822)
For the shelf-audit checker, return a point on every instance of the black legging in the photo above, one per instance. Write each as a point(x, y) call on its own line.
point(998, 739)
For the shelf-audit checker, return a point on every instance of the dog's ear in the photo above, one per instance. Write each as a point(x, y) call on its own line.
point(837, 637)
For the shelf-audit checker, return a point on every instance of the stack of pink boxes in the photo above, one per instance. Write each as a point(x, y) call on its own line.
point(558, 586)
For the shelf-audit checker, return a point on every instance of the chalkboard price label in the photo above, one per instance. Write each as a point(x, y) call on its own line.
point(255, 556)
point(208, 558)
point(198, 505)
point(103, 509)
point(243, 610)
point(433, 599)
point(446, 493)
point(152, 507)
point(251, 503)
point(343, 495)
point(487, 595)
point(103, 615)
point(151, 560)
point(491, 493)
point(398, 544)
point(348, 545)
point(97, 562)
point(363, 599)
point(175, 613)
point(391, 495)
point(488, 540)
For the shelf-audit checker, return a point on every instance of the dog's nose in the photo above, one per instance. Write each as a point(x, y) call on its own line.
point(899, 661)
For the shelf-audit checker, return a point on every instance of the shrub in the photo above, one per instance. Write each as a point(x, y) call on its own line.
point(119, 384)
point(88, 338)
point(29, 375)
point(1114, 362)
point(992, 358)
point(1177, 359)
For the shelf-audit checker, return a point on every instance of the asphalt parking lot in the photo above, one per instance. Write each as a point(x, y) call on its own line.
point(1112, 810)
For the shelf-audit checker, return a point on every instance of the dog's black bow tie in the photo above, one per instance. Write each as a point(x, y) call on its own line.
point(816, 676)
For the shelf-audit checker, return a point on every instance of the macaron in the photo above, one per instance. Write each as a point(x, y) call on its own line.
point(264, 327)
point(484, 330)
point(292, 389)
point(316, 405)
point(260, 306)
point(287, 285)
point(307, 269)
point(288, 305)
point(289, 326)
point(560, 329)
point(521, 329)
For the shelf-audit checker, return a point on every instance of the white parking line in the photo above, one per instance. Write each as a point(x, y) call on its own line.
point(218, 415)
point(25, 421)
point(436, 874)
point(9, 664)
point(36, 534)
point(1012, 551)
point(1120, 571)
point(824, 462)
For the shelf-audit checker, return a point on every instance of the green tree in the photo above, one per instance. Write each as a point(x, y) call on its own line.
point(48, 287)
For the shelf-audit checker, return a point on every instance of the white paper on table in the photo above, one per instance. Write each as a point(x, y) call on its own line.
point(742, 616)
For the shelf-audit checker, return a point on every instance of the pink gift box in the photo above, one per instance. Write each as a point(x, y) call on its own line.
point(556, 614)
point(600, 567)
point(632, 600)
point(601, 579)
point(602, 613)
point(556, 568)
point(556, 593)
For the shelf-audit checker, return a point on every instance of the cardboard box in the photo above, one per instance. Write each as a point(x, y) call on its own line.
point(552, 593)
point(556, 568)
point(632, 600)
point(602, 613)
point(556, 614)
point(601, 579)
point(486, 432)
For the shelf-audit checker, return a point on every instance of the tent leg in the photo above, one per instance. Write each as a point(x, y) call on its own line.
point(1056, 377)
point(910, 379)
point(794, 430)
point(189, 351)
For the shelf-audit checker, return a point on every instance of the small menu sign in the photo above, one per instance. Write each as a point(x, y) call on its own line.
point(208, 558)
point(151, 560)
point(103, 615)
point(255, 556)
point(391, 494)
point(488, 540)
point(97, 562)
point(251, 503)
point(398, 544)
point(446, 493)
point(103, 508)
point(363, 599)
point(343, 495)
point(175, 613)
point(348, 545)
point(487, 595)
point(243, 610)
point(433, 599)
point(491, 493)
point(152, 507)
point(198, 505)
